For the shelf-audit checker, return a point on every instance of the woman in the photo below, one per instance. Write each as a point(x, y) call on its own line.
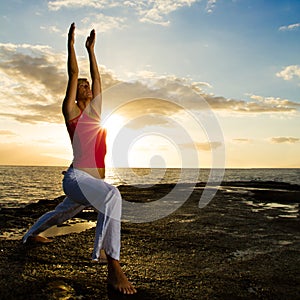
point(83, 182)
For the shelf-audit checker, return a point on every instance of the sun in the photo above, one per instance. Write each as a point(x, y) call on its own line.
point(113, 123)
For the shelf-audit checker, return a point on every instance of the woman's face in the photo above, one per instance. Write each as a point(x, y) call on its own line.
point(84, 91)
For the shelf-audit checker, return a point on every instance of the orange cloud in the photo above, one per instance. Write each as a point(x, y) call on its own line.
point(282, 139)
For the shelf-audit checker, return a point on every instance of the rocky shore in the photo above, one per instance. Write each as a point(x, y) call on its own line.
point(244, 245)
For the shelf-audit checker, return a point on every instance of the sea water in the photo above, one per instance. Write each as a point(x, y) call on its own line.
point(21, 185)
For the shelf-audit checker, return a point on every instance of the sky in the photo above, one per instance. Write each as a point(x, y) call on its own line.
point(189, 83)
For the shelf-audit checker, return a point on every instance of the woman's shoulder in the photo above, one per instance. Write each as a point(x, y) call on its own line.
point(72, 115)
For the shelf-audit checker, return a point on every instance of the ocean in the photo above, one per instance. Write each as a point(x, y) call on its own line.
point(26, 184)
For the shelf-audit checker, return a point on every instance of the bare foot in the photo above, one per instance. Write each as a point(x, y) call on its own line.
point(117, 279)
point(39, 239)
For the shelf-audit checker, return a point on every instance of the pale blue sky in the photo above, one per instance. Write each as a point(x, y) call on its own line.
point(246, 51)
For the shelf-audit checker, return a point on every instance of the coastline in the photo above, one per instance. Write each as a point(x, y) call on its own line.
point(240, 246)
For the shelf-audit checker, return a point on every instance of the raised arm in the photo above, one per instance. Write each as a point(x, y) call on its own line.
point(69, 107)
point(95, 75)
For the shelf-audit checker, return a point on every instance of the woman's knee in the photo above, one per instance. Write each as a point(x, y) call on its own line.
point(116, 195)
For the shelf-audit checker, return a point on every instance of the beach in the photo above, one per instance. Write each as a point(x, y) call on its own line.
point(245, 244)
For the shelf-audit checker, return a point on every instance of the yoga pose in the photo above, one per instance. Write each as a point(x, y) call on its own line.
point(83, 182)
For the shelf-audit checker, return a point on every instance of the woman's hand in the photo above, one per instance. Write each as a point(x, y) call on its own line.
point(71, 35)
point(90, 41)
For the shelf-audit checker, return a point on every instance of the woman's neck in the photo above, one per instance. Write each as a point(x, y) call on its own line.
point(82, 104)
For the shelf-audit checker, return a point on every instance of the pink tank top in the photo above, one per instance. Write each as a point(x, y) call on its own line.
point(88, 141)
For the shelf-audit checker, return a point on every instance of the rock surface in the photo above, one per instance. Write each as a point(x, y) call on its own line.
point(244, 245)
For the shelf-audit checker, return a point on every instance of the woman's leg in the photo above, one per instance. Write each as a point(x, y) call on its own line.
point(108, 238)
point(107, 200)
point(62, 212)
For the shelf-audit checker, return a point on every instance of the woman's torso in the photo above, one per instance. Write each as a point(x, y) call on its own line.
point(89, 144)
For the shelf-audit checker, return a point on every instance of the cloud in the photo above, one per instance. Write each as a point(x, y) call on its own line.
point(34, 78)
point(101, 23)
point(142, 112)
point(154, 12)
point(274, 104)
point(51, 29)
point(289, 27)
point(7, 133)
point(281, 140)
point(208, 146)
point(242, 140)
point(73, 4)
point(289, 72)
point(33, 64)
point(210, 6)
point(191, 95)
point(33, 81)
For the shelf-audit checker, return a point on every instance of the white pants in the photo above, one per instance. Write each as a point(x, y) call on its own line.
point(84, 190)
